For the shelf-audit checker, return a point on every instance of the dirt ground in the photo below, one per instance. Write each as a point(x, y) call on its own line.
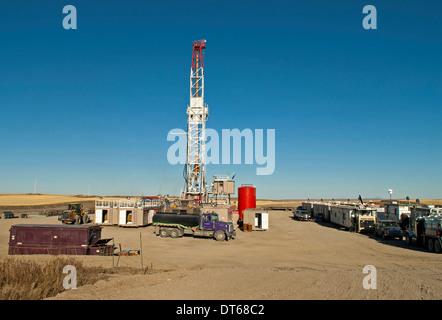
point(292, 260)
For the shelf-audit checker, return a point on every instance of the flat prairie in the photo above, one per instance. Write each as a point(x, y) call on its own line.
point(292, 260)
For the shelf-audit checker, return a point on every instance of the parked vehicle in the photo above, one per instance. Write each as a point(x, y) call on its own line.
point(176, 225)
point(301, 215)
point(74, 214)
point(8, 215)
point(426, 230)
point(388, 229)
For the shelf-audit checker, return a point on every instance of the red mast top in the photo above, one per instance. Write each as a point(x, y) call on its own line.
point(197, 57)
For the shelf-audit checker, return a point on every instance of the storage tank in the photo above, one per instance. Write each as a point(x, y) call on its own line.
point(246, 198)
point(187, 220)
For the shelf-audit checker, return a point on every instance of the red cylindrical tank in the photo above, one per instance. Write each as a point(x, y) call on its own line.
point(246, 198)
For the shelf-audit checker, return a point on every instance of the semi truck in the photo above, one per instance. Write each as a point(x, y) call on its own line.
point(426, 230)
point(176, 225)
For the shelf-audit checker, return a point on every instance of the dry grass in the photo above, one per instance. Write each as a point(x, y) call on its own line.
point(30, 280)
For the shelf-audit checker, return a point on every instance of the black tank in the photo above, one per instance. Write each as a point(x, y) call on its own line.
point(188, 220)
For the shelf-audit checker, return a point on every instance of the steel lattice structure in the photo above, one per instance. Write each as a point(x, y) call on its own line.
point(198, 113)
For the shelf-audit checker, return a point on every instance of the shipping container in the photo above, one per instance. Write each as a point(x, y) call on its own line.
point(58, 239)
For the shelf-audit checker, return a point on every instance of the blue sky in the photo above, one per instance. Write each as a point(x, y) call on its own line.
point(355, 111)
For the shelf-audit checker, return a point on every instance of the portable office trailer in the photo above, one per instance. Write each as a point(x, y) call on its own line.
point(322, 211)
point(394, 211)
point(125, 213)
point(135, 217)
point(106, 215)
point(255, 220)
point(341, 215)
point(354, 218)
point(308, 205)
point(57, 239)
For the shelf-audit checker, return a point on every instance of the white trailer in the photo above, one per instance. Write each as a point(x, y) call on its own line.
point(354, 218)
point(396, 211)
point(308, 206)
point(125, 213)
point(322, 211)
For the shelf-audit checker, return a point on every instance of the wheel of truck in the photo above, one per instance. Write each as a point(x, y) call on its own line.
point(437, 247)
point(164, 232)
point(85, 218)
point(220, 235)
point(175, 233)
point(430, 245)
point(77, 220)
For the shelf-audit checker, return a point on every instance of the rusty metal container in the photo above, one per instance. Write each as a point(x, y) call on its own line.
point(57, 239)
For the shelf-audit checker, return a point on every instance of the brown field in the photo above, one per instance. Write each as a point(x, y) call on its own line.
point(290, 261)
point(29, 199)
point(18, 200)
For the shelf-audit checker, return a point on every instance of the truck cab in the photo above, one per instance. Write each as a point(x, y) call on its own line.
point(221, 230)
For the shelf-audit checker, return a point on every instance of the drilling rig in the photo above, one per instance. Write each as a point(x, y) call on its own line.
point(196, 188)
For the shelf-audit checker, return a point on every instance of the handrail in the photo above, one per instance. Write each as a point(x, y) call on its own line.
point(127, 203)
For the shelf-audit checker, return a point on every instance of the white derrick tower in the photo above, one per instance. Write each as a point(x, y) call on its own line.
point(198, 113)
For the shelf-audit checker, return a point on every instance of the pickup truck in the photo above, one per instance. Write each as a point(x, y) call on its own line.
point(301, 215)
point(176, 225)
